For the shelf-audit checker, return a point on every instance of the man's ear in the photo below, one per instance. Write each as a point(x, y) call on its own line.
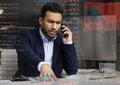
point(40, 20)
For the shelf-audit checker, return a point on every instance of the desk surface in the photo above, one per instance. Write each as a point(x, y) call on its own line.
point(83, 78)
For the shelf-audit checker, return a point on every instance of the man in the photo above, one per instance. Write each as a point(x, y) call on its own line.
point(46, 52)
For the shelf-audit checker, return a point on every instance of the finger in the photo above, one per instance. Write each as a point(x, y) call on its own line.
point(49, 76)
point(45, 74)
point(66, 32)
point(63, 30)
point(40, 77)
point(53, 76)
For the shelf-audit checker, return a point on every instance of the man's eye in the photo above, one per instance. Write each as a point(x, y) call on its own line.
point(50, 21)
point(58, 22)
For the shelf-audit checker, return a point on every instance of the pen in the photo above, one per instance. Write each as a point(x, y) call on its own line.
point(101, 78)
point(22, 76)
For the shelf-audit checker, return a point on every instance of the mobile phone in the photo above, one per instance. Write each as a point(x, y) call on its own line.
point(65, 35)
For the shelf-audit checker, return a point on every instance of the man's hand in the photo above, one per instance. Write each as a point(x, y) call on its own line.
point(46, 71)
point(67, 31)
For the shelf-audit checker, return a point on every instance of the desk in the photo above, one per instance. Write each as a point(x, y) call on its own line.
point(80, 79)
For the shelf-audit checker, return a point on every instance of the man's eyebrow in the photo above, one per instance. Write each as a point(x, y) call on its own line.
point(54, 20)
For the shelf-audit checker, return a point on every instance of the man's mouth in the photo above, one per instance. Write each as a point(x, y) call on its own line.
point(52, 32)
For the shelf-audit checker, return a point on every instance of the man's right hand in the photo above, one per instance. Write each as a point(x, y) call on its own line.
point(46, 71)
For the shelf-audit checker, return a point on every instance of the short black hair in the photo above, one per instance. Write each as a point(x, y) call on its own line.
point(52, 7)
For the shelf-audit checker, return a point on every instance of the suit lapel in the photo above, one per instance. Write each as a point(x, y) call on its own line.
point(40, 45)
point(55, 54)
point(56, 49)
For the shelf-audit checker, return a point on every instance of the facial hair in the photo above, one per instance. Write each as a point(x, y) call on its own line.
point(49, 34)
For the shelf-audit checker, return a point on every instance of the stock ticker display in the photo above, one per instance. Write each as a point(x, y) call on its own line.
point(25, 13)
point(26, 16)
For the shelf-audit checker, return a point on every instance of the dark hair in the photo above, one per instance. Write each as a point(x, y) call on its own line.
point(52, 7)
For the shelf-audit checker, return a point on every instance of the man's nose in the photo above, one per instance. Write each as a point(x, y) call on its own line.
point(54, 25)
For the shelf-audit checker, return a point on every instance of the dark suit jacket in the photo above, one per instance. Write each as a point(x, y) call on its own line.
point(31, 52)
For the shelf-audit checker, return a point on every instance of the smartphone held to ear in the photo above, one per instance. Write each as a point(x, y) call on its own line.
point(64, 35)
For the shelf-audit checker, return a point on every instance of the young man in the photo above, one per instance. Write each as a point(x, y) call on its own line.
point(45, 52)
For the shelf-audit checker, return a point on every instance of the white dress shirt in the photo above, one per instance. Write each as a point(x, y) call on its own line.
point(48, 49)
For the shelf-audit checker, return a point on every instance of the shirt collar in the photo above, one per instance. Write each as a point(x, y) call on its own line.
point(44, 38)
